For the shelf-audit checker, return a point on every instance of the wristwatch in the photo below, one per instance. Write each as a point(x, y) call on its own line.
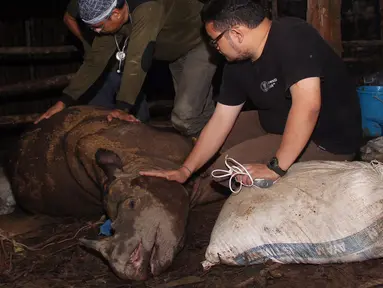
point(274, 166)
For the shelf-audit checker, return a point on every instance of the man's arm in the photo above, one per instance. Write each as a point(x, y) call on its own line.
point(211, 139)
point(70, 20)
point(72, 25)
point(301, 121)
point(147, 22)
point(72, 9)
point(302, 67)
point(303, 116)
point(213, 135)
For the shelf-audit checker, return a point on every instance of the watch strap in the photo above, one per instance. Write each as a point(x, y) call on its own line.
point(274, 166)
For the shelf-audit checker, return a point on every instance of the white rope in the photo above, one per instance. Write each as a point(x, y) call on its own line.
point(238, 169)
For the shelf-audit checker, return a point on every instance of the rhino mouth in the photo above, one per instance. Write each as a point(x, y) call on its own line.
point(144, 262)
point(146, 258)
point(135, 257)
point(137, 262)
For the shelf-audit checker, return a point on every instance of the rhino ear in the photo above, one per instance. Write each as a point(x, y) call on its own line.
point(101, 246)
point(109, 162)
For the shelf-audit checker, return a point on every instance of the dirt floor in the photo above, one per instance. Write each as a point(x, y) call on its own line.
point(53, 258)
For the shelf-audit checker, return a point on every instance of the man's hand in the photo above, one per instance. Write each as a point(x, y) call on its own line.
point(59, 106)
point(257, 171)
point(180, 175)
point(119, 114)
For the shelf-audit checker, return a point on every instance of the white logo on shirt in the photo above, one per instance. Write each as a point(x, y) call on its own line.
point(267, 85)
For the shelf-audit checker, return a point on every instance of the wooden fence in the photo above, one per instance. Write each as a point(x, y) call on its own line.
point(37, 59)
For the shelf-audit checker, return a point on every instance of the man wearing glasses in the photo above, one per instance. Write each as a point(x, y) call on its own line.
point(110, 84)
point(130, 34)
point(307, 107)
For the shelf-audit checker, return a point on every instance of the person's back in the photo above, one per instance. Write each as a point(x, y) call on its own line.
point(339, 124)
point(294, 51)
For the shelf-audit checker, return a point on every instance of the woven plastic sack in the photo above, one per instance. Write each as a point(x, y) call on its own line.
point(320, 212)
point(373, 150)
point(7, 201)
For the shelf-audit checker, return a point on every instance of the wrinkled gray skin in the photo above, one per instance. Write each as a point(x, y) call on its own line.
point(78, 164)
point(149, 218)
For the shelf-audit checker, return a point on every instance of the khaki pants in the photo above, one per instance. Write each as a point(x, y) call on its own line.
point(193, 103)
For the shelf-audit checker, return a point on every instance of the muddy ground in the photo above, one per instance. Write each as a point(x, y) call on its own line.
point(53, 258)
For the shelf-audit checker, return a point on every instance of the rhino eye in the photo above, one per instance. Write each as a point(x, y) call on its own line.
point(132, 204)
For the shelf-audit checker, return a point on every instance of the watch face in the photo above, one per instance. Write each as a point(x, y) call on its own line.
point(274, 162)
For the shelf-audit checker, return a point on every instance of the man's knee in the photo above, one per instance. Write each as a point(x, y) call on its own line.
point(186, 125)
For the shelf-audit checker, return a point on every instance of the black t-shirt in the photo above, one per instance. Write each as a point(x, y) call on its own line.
point(294, 51)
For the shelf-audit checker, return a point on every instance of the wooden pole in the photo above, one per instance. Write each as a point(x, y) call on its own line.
point(158, 107)
point(33, 86)
point(325, 15)
point(18, 119)
point(376, 59)
point(381, 18)
point(274, 9)
point(28, 41)
point(363, 43)
point(17, 51)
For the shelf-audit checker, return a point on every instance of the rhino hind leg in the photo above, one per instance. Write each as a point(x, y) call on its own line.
point(205, 190)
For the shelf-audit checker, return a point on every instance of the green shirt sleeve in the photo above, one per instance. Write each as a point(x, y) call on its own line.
point(72, 8)
point(94, 64)
point(147, 21)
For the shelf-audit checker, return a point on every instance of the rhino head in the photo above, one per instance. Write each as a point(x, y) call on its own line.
point(148, 216)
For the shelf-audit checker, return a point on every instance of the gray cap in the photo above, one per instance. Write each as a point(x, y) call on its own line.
point(95, 11)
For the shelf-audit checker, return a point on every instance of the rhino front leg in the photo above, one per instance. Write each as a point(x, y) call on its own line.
point(205, 190)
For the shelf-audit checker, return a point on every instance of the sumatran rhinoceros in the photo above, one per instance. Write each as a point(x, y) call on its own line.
point(79, 164)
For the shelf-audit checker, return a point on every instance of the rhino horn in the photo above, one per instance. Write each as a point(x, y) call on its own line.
point(101, 246)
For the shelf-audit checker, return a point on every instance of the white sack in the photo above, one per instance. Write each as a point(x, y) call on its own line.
point(373, 150)
point(7, 201)
point(320, 212)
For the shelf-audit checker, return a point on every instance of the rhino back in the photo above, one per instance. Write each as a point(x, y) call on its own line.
point(140, 147)
point(146, 141)
point(39, 174)
point(53, 170)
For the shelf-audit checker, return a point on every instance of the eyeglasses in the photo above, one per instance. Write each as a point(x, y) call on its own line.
point(214, 42)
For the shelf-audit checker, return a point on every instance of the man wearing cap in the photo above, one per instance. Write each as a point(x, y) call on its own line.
point(131, 34)
point(111, 81)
